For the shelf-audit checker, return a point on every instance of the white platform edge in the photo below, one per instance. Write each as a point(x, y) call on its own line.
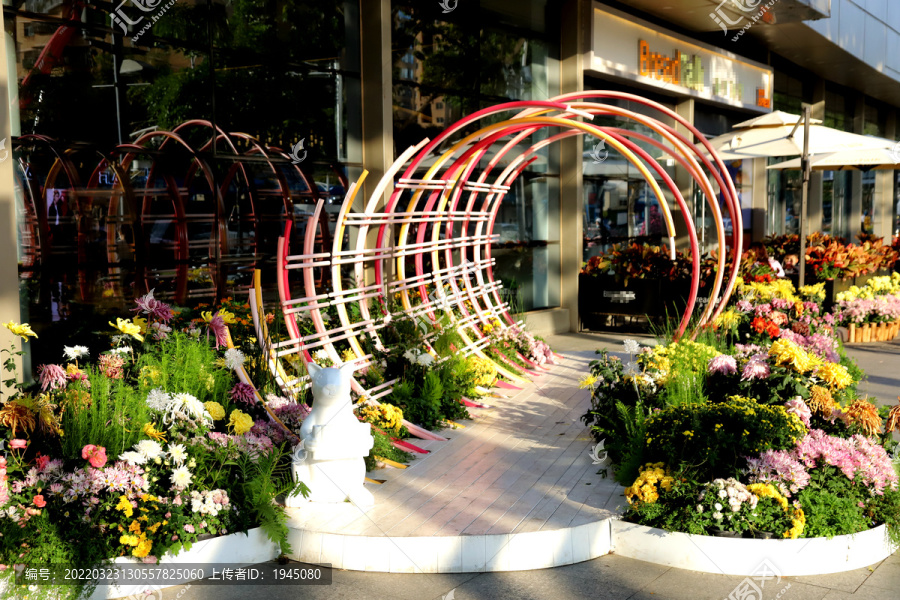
point(241, 549)
point(454, 554)
point(729, 556)
point(545, 549)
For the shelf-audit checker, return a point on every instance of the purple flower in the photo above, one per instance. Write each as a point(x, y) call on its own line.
point(755, 369)
point(52, 376)
point(242, 392)
point(724, 364)
point(781, 468)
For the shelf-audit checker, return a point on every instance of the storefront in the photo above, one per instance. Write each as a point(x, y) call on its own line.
point(714, 88)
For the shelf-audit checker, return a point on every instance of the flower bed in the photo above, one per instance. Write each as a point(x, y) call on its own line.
point(833, 258)
point(158, 442)
point(871, 312)
point(753, 430)
point(142, 453)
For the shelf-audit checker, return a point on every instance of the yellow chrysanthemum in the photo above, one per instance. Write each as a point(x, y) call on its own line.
point(216, 410)
point(835, 375)
point(141, 323)
point(789, 354)
point(24, 330)
point(728, 319)
point(129, 540)
point(644, 488)
point(587, 381)
point(125, 506)
point(240, 422)
point(143, 548)
point(128, 328)
point(150, 375)
point(153, 433)
point(813, 292)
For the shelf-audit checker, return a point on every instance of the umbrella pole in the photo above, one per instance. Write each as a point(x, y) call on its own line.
point(804, 197)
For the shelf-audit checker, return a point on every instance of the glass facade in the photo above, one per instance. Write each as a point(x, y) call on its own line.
point(447, 66)
point(619, 203)
point(122, 185)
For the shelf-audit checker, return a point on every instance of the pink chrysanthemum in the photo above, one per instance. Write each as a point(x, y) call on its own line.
point(723, 364)
point(52, 377)
point(149, 305)
point(111, 365)
point(217, 326)
point(755, 369)
point(797, 406)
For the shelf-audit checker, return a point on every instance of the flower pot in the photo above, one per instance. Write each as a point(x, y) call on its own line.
point(725, 534)
point(851, 333)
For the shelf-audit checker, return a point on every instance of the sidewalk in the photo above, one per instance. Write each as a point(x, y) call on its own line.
point(608, 577)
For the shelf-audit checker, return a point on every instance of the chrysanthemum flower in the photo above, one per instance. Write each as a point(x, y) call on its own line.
point(128, 328)
point(242, 392)
point(723, 364)
point(821, 401)
point(865, 414)
point(835, 375)
point(75, 352)
point(52, 377)
point(234, 358)
point(893, 420)
point(217, 326)
point(23, 331)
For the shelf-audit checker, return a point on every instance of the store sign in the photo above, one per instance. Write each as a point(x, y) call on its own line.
point(629, 48)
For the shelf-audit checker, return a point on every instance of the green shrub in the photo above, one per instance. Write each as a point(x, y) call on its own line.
point(714, 438)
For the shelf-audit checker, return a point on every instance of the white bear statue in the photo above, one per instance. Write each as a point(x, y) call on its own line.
point(329, 458)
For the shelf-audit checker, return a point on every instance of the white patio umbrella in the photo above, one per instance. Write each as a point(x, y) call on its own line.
point(770, 136)
point(861, 159)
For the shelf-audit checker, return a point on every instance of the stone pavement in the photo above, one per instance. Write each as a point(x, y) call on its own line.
point(608, 577)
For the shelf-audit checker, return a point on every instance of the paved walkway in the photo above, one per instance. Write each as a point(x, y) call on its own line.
point(520, 465)
point(608, 577)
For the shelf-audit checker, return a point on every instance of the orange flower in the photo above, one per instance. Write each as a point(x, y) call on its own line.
point(893, 420)
point(820, 401)
point(865, 414)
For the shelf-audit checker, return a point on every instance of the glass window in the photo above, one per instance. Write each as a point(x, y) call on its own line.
point(478, 55)
point(866, 219)
point(836, 203)
point(121, 184)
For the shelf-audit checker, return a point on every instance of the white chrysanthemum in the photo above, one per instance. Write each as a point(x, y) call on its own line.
point(410, 355)
point(320, 356)
point(425, 359)
point(194, 408)
point(234, 358)
point(75, 352)
point(631, 346)
point(177, 453)
point(121, 350)
point(149, 449)
point(158, 399)
point(133, 458)
point(181, 478)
